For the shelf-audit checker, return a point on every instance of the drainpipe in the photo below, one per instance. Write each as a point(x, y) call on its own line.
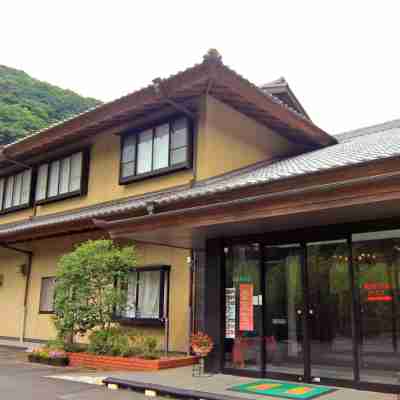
point(190, 262)
point(27, 282)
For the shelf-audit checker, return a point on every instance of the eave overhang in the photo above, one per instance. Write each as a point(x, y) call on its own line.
point(210, 77)
point(344, 187)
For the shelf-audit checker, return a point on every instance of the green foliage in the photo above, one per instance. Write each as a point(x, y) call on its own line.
point(27, 104)
point(111, 342)
point(116, 342)
point(87, 293)
point(55, 344)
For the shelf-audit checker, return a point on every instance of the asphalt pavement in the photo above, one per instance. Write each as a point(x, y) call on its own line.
point(21, 380)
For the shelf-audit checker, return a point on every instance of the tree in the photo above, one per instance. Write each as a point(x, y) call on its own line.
point(27, 104)
point(89, 284)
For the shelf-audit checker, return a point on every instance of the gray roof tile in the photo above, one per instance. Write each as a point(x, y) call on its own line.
point(354, 147)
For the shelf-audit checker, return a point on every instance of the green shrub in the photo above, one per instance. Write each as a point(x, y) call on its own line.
point(55, 344)
point(109, 342)
point(116, 342)
point(75, 347)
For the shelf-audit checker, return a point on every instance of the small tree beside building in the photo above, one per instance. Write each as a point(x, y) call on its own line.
point(90, 287)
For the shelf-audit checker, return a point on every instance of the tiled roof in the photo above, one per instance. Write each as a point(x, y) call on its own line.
point(103, 113)
point(355, 147)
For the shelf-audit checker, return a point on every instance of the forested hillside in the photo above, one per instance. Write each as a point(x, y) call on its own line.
point(27, 104)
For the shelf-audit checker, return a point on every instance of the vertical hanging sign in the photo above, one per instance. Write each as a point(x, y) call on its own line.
point(246, 316)
point(230, 313)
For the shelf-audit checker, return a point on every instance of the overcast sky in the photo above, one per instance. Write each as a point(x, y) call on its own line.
point(341, 58)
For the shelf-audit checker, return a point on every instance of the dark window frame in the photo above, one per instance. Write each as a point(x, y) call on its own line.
point(31, 192)
point(40, 296)
point(161, 171)
point(164, 298)
point(84, 183)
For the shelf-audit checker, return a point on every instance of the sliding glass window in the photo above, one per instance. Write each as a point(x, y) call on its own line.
point(15, 191)
point(156, 150)
point(62, 178)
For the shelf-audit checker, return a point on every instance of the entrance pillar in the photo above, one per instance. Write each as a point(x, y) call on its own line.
point(211, 296)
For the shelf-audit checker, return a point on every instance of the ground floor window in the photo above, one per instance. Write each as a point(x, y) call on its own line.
point(147, 294)
point(47, 295)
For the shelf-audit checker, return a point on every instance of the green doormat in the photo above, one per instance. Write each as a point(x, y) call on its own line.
point(284, 390)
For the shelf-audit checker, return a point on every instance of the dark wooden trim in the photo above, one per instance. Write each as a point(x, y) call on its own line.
point(152, 267)
point(40, 295)
point(21, 206)
point(83, 183)
point(161, 171)
point(164, 271)
point(152, 174)
point(139, 321)
point(16, 208)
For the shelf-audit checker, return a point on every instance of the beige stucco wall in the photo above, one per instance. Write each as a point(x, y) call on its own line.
point(228, 140)
point(11, 293)
point(225, 140)
point(46, 255)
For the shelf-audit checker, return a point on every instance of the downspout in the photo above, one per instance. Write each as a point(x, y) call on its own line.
point(190, 319)
point(27, 282)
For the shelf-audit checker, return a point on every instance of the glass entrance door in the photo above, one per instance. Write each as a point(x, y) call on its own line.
point(243, 309)
point(284, 310)
point(377, 266)
point(329, 311)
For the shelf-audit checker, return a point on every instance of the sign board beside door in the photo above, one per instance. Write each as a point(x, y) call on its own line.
point(246, 313)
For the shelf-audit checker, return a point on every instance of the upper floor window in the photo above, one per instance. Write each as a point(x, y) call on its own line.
point(155, 150)
point(15, 191)
point(61, 178)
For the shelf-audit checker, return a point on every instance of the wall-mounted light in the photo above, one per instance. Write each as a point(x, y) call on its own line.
point(23, 269)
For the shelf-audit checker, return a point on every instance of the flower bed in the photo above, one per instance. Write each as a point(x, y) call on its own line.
point(128, 363)
point(44, 356)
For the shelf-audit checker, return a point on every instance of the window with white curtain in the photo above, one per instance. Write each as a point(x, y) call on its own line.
point(15, 190)
point(157, 149)
point(60, 177)
point(146, 294)
point(47, 292)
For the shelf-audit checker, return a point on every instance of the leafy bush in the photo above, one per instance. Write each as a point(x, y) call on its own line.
point(109, 342)
point(86, 291)
point(55, 344)
point(75, 347)
point(116, 342)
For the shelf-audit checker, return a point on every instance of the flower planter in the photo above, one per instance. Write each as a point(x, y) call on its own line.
point(128, 363)
point(56, 362)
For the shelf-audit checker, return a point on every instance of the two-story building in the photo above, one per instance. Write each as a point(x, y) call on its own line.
point(251, 223)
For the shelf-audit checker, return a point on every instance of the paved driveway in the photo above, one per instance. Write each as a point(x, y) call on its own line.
point(20, 380)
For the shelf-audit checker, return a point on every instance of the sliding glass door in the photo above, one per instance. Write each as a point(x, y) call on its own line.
point(377, 264)
point(243, 309)
point(326, 311)
point(284, 309)
point(329, 311)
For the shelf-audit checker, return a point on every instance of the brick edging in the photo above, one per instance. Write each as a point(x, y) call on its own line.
point(128, 363)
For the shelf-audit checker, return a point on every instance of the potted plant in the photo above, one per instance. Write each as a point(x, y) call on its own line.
point(202, 345)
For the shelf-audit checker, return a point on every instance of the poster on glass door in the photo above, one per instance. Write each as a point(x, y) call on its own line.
point(246, 313)
point(230, 313)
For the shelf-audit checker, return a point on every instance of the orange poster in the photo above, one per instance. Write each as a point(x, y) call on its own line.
point(246, 317)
